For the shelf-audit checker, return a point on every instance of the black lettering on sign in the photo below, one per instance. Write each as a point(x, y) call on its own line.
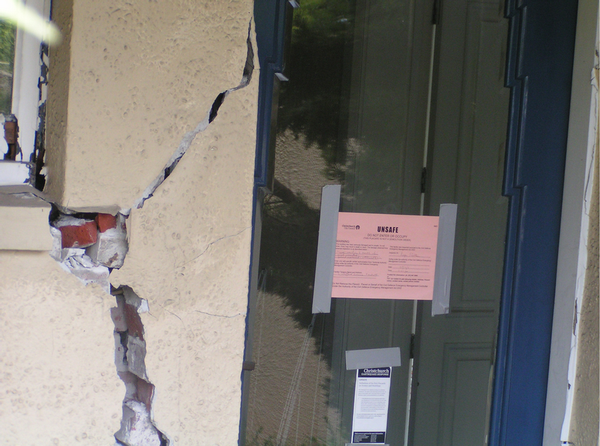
point(393, 229)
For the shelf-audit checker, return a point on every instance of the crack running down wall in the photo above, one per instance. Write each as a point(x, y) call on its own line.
point(136, 78)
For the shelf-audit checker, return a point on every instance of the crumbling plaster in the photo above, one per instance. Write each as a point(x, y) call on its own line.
point(130, 79)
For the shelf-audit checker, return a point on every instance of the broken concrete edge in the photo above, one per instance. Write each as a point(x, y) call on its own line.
point(88, 245)
point(137, 426)
point(189, 137)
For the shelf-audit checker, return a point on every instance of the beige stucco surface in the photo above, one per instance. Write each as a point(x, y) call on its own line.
point(58, 382)
point(189, 256)
point(584, 427)
point(23, 219)
point(129, 81)
point(58, 100)
point(141, 75)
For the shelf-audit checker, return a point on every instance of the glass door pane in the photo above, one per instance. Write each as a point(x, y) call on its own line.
point(354, 112)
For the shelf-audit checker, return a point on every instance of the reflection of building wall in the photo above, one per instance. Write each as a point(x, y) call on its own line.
point(288, 396)
point(277, 352)
point(301, 168)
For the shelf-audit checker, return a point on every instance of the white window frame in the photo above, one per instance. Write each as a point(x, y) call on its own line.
point(25, 99)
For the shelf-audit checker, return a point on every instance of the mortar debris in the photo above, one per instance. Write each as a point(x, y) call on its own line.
point(137, 428)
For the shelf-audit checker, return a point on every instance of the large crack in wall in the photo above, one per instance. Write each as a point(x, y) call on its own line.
point(90, 245)
point(137, 427)
point(188, 138)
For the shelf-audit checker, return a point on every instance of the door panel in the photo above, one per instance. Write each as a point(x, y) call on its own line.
point(466, 368)
point(467, 157)
point(468, 146)
point(387, 109)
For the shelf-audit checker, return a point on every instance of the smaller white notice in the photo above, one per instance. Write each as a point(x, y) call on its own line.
point(371, 402)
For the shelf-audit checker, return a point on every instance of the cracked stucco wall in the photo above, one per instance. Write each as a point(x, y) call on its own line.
point(126, 85)
point(195, 355)
point(141, 75)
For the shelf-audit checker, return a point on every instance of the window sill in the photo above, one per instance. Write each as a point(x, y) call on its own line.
point(14, 173)
point(24, 219)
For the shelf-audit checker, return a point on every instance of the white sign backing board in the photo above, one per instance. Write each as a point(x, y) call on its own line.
point(371, 403)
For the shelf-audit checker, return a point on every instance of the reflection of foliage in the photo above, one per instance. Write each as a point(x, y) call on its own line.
point(311, 103)
point(313, 106)
point(7, 54)
point(7, 42)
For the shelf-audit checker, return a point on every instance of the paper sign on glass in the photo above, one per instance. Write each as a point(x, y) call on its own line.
point(371, 403)
point(382, 256)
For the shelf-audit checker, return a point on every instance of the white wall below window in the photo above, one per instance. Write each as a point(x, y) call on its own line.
point(13, 173)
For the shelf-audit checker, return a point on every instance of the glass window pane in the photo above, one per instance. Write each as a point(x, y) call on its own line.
point(354, 112)
point(7, 56)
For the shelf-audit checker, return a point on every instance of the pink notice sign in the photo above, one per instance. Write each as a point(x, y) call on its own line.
point(380, 256)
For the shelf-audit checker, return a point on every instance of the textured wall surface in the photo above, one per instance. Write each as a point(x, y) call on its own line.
point(141, 74)
point(58, 100)
point(586, 411)
point(189, 256)
point(129, 81)
point(57, 369)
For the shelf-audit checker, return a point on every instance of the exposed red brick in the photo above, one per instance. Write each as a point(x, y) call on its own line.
point(11, 132)
point(134, 322)
point(105, 222)
point(79, 236)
